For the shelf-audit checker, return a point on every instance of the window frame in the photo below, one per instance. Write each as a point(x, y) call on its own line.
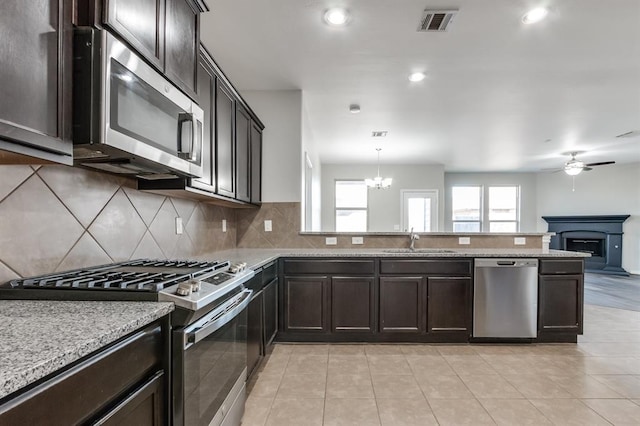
point(518, 198)
point(336, 208)
point(480, 220)
point(485, 208)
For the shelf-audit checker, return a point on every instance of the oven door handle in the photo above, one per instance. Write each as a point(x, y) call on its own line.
point(219, 321)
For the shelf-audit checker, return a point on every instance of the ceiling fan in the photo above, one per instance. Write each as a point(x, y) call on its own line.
point(574, 166)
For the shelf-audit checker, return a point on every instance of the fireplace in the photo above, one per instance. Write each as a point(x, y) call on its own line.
point(600, 236)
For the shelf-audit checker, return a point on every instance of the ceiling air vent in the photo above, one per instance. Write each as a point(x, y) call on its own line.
point(379, 134)
point(436, 20)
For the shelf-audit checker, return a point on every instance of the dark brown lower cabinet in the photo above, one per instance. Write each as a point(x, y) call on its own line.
point(352, 304)
point(561, 303)
point(125, 383)
point(270, 296)
point(402, 304)
point(254, 333)
point(306, 303)
point(448, 305)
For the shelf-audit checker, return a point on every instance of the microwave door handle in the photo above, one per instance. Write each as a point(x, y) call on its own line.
point(196, 140)
point(185, 148)
point(201, 333)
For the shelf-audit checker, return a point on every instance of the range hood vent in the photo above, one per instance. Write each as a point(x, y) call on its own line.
point(436, 20)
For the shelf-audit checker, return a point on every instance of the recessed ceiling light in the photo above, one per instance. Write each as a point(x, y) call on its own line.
point(354, 108)
point(417, 76)
point(535, 15)
point(336, 17)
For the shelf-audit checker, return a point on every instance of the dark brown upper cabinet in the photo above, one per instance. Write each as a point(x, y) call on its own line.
point(225, 141)
point(243, 151)
point(165, 32)
point(141, 23)
point(36, 71)
point(207, 100)
point(256, 163)
point(182, 42)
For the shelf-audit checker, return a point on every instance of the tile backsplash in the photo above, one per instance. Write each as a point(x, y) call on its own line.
point(55, 218)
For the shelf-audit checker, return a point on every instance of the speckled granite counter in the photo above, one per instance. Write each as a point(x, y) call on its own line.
point(258, 257)
point(38, 338)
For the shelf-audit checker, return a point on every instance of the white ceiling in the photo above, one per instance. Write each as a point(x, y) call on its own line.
point(499, 95)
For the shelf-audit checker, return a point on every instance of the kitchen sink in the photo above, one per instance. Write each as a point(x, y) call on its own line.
point(425, 250)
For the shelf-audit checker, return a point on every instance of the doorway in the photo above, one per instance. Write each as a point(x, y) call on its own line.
point(419, 210)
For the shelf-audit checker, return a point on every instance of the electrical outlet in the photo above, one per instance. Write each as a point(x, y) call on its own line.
point(179, 226)
point(268, 226)
point(224, 225)
point(396, 227)
point(519, 241)
point(331, 241)
point(357, 240)
point(464, 240)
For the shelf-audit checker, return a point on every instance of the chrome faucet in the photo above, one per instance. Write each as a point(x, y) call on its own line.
point(413, 237)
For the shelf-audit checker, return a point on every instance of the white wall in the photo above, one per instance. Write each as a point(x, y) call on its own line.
point(280, 111)
point(384, 204)
point(604, 190)
point(528, 194)
point(310, 220)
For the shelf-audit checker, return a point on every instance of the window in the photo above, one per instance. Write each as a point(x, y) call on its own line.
point(351, 206)
point(466, 208)
point(503, 208)
point(499, 213)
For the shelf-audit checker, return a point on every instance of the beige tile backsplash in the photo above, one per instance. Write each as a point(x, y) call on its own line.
point(55, 218)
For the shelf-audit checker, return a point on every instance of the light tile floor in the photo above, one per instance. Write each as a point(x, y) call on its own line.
point(594, 382)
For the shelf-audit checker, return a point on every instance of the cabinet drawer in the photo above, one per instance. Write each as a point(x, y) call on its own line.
point(75, 395)
point(557, 266)
point(269, 273)
point(426, 267)
point(333, 266)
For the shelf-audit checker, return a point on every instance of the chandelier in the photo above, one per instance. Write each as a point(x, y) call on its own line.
point(378, 182)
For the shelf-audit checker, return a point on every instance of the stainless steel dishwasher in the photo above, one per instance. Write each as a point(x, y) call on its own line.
point(505, 298)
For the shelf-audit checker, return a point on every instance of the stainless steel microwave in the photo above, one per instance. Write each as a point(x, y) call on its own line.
point(127, 118)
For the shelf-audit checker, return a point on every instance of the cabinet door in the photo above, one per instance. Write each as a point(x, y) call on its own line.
point(402, 304)
point(352, 304)
point(243, 126)
point(561, 299)
point(270, 294)
point(141, 23)
point(144, 407)
point(448, 304)
point(306, 304)
point(256, 164)
point(182, 44)
point(225, 153)
point(206, 100)
point(254, 333)
point(35, 70)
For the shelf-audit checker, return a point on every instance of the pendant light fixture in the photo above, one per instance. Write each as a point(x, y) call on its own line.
point(378, 182)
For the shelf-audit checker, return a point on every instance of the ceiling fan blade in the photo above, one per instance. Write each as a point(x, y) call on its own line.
point(586, 169)
point(551, 170)
point(603, 163)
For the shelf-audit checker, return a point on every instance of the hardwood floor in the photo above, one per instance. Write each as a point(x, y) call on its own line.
point(612, 291)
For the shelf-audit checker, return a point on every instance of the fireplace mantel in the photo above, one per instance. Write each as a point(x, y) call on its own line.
point(607, 228)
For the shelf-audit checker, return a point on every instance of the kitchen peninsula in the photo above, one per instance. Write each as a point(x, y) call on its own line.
point(395, 295)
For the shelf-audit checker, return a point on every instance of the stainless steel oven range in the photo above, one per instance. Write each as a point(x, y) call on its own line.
point(209, 337)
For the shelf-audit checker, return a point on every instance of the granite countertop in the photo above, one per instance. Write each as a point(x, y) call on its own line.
point(256, 258)
point(40, 337)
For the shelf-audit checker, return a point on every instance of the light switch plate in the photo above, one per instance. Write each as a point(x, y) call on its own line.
point(357, 240)
point(224, 225)
point(268, 226)
point(179, 226)
point(396, 227)
point(519, 241)
point(464, 240)
point(331, 241)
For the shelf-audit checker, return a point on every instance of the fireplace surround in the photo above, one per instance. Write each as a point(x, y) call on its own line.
point(600, 236)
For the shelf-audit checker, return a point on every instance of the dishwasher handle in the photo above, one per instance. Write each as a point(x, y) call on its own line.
point(505, 263)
